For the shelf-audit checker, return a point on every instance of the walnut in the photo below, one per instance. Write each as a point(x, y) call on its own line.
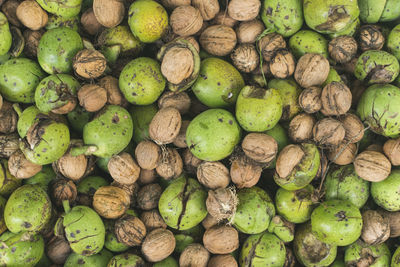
point(148, 196)
point(180, 140)
point(32, 42)
point(392, 151)
point(208, 8)
point(165, 125)
point(158, 245)
point(288, 159)
point(171, 164)
point(311, 70)
point(147, 177)
point(394, 221)
point(58, 250)
point(32, 15)
point(190, 162)
point(123, 168)
point(114, 94)
point(213, 174)
point(63, 189)
point(130, 230)
point(260, 147)
point(193, 42)
point(147, 154)
point(130, 189)
point(245, 57)
point(9, 9)
point(336, 99)
point(221, 239)
point(152, 219)
point(221, 203)
point(372, 166)
point(186, 20)
point(223, 18)
point(9, 143)
point(90, 23)
point(73, 167)
point(226, 260)
point(194, 255)
point(245, 172)
point(209, 221)
point(20, 167)
point(374, 147)
point(376, 227)
point(218, 40)
point(248, 31)
point(269, 44)
point(89, 63)
point(109, 13)
point(342, 49)
point(343, 154)
point(371, 38)
point(171, 4)
point(177, 64)
point(8, 118)
point(282, 64)
point(353, 126)
point(92, 97)
point(301, 128)
point(179, 100)
point(244, 10)
point(328, 132)
point(111, 202)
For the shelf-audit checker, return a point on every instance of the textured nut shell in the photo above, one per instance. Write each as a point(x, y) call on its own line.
point(130, 230)
point(63, 189)
point(152, 220)
point(392, 151)
point(186, 20)
point(282, 64)
point(245, 172)
point(89, 22)
point(248, 31)
point(209, 221)
point(111, 202)
point(328, 132)
point(32, 15)
point(194, 255)
point(310, 99)
point(123, 168)
point(190, 162)
point(245, 57)
point(175, 3)
point(147, 154)
point(165, 125)
point(301, 127)
point(269, 44)
point(179, 100)
point(353, 126)
point(223, 18)
point(287, 160)
point(221, 239)
point(260, 147)
point(32, 41)
point(375, 147)
point(376, 227)
point(343, 154)
point(114, 94)
point(342, 49)
point(394, 221)
point(158, 245)
point(147, 177)
point(336, 99)
point(218, 40)
point(311, 70)
point(9, 143)
point(222, 261)
point(72, 167)
point(20, 167)
point(109, 13)
point(148, 196)
point(213, 174)
point(9, 9)
point(177, 64)
point(371, 38)
point(8, 118)
point(89, 63)
point(221, 203)
point(243, 10)
point(180, 140)
point(372, 166)
point(171, 164)
point(58, 250)
point(208, 8)
point(92, 97)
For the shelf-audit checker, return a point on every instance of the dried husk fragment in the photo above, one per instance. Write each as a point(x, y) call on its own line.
point(170, 165)
point(8, 118)
point(123, 168)
point(158, 245)
point(372, 166)
point(9, 143)
point(9, 9)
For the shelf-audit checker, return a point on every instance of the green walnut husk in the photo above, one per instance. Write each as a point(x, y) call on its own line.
point(386, 194)
point(141, 118)
point(218, 84)
point(8, 183)
point(3, 226)
point(282, 229)
point(213, 134)
point(5, 35)
point(289, 91)
point(66, 9)
point(336, 216)
point(262, 250)
point(18, 42)
point(343, 183)
point(42, 178)
point(333, 76)
point(126, 259)
point(182, 205)
point(56, 49)
point(373, 11)
point(57, 21)
point(27, 209)
point(295, 206)
point(310, 251)
point(330, 16)
point(254, 211)
point(393, 41)
point(112, 244)
point(88, 186)
point(168, 262)
point(378, 108)
point(284, 16)
point(360, 252)
point(187, 237)
point(23, 249)
point(281, 137)
point(257, 109)
point(78, 118)
point(304, 172)
point(396, 258)
point(98, 260)
point(26, 119)
point(306, 41)
point(350, 30)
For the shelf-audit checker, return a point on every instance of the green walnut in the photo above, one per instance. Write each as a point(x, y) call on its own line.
point(112, 244)
point(306, 41)
point(168, 262)
point(183, 238)
point(262, 250)
point(297, 165)
point(8, 183)
point(98, 260)
point(375, 66)
point(126, 259)
point(213, 134)
point(396, 258)
point(289, 91)
point(296, 206)
point(351, 30)
point(282, 229)
point(5, 35)
point(56, 49)
point(343, 183)
point(66, 9)
point(336, 216)
point(55, 21)
point(254, 211)
point(218, 84)
point(27, 209)
point(378, 108)
point(141, 81)
point(284, 16)
point(281, 137)
point(310, 251)
point(333, 76)
point(393, 42)
point(359, 252)
point(3, 226)
point(373, 11)
point(141, 118)
point(385, 193)
point(78, 118)
point(182, 205)
point(23, 249)
point(148, 20)
point(330, 16)
point(42, 178)
point(257, 109)
point(88, 186)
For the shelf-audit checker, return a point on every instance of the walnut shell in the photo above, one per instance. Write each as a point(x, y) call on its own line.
point(177, 64)
point(213, 174)
point(353, 126)
point(147, 177)
point(109, 13)
point(58, 250)
point(179, 100)
point(148, 196)
point(245, 172)
point(260, 147)
point(114, 94)
point(31, 14)
point(148, 155)
point(32, 42)
point(92, 97)
point(342, 49)
point(208, 8)
point(269, 44)
point(190, 162)
point(9, 143)
point(123, 168)
point(245, 57)
point(130, 189)
point(392, 151)
point(165, 125)
point(111, 202)
point(63, 189)
point(72, 167)
point(221, 203)
point(311, 70)
point(209, 221)
point(171, 164)
point(248, 31)
point(158, 245)
point(8, 118)
point(301, 128)
point(244, 10)
point(374, 147)
point(221, 239)
point(226, 260)
point(223, 18)
point(171, 4)
point(289, 157)
point(372, 166)
point(336, 99)
point(310, 99)
point(20, 167)
point(89, 63)
point(343, 154)
point(394, 221)
point(328, 132)
point(186, 20)
point(282, 64)
point(9, 9)
point(130, 230)
point(90, 23)
point(180, 140)
point(152, 220)
point(376, 227)
point(371, 38)
point(194, 255)
point(218, 40)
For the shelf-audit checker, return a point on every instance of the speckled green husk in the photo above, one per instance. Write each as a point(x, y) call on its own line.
point(333, 76)
point(295, 206)
point(141, 118)
point(218, 84)
point(182, 205)
point(378, 108)
point(330, 16)
point(99, 260)
point(396, 258)
point(148, 20)
point(376, 66)
point(78, 118)
point(27, 209)
point(304, 172)
point(306, 41)
point(5, 35)
point(168, 262)
point(343, 183)
point(254, 211)
point(289, 91)
point(126, 260)
point(187, 237)
point(359, 251)
point(372, 11)
point(213, 134)
point(281, 137)
point(350, 30)
point(3, 226)
point(284, 16)
point(310, 251)
point(66, 8)
point(112, 244)
point(8, 183)
point(141, 81)
point(336, 216)
point(393, 42)
point(262, 250)
point(26, 119)
point(257, 109)
point(282, 229)
point(42, 178)
point(56, 49)
point(57, 21)
point(23, 249)
point(19, 78)
point(90, 184)
point(386, 193)
point(338, 263)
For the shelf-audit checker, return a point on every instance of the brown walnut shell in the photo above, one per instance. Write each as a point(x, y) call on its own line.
point(63, 189)
point(353, 126)
point(190, 162)
point(213, 174)
point(221, 203)
point(186, 20)
point(245, 172)
point(130, 189)
point(371, 38)
point(148, 155)
point(109, 13)
point(209, 221)
point(194, 255)
point(248, 31)
point(328, 132)
point(269, 44)
point(301, 128)
point(179, 100)
point(92, 97)
point(165, 125)
point(171, 164)
point(223, 18)
point(114, 94)
point(89, 63)
point(375, 147)
point(123, 168)
point(372, 166)
point(310, 99)
point(218, 40)
point(208, 8)
point(9, 143)
point(226, 260)
point(152, 220)
point(32, 42)
point(394, 221)
point(245, 57)
point(171, 4)
point(148, 196)
point(260, 147)
point(311, 70)
point(336, 99)
point(180, 140)
point(8, 118)
point(58, 250)
point(31, 14)
point(343, 154)
point(221, 239)
point(147, 177)
point(90, 23)
point(111, 202)
point(158, 245)
point(392, 151)
point(72, 167)
point(130, 230)
point(20, 167)
point(9, 9)
point(342, 49)
point(177, 64)
point(244, 10)
point(290, 156)
point(282, 64)
point(376, 227)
